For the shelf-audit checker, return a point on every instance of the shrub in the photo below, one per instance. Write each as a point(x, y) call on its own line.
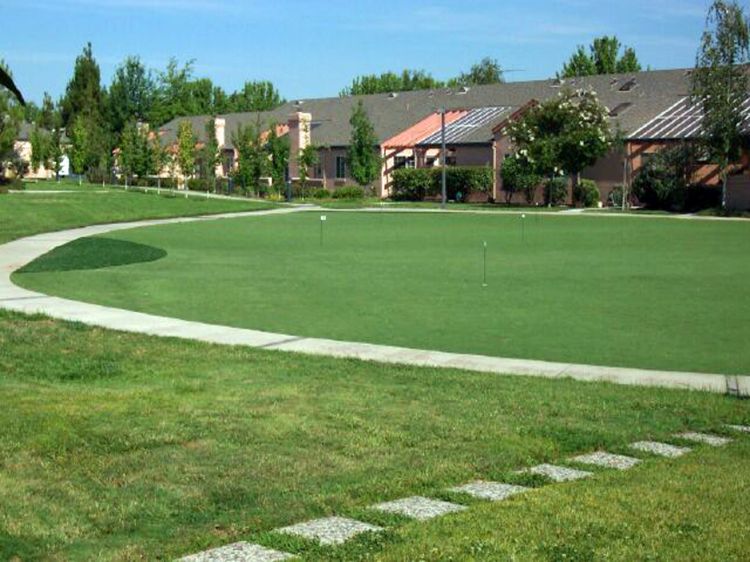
point(586, 193)
point(519, 177)
point(662, 181)
point(556, 191)
point(320, 193)
point(412, 184)
point(349, 192)
point(199, 184)
point(15, 184)
point(614, 199)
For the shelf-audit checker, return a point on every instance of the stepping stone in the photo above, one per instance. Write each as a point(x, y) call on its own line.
point(419, 508)
point(493, 491)
point(329, 530)
point(607, 460)
point(707, 438)
point(661, 449)
point(238, 552)
point(740, 428)
point(558, 473)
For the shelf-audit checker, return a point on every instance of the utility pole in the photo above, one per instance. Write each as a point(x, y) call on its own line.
point(443, 158)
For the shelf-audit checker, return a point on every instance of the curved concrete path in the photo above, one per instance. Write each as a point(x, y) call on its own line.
point(18, 253)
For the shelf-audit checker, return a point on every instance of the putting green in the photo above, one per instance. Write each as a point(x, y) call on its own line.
point(650, 293)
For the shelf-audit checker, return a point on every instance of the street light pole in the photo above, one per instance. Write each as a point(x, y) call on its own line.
point(443, 158)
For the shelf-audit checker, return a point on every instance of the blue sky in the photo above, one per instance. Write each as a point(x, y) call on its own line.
point(313, 48)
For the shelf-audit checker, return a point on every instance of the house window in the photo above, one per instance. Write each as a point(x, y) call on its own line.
point(403, 162)
point(340, 167)
point(318, 170)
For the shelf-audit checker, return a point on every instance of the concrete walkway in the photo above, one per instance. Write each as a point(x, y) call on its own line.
point(18, 253)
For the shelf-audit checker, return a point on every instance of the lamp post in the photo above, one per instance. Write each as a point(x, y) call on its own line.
point(443, 157)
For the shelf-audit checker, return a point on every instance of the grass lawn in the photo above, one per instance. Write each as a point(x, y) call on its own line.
point(125, 447)
point(623, 291)
point(25, 214)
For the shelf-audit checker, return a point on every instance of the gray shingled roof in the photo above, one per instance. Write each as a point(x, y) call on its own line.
point(649, 93)
point(682, 120)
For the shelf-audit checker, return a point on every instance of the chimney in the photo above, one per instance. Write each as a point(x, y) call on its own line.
point(220, 124)
point(299, 138)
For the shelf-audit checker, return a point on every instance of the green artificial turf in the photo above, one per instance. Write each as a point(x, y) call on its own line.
point(22, 214)
point(127, 447)
point(639, 292)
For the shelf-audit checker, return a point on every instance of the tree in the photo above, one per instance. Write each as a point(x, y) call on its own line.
point(364, 160)
point(307, 158)
point(135, 151)
point(278, 152)
point(79, 146)
point(391, 82)
point(720, 84)
point(563, 135)
point(210, 156)
point(486, 71)
point(255, 96)
point(83, 94)
point(172, 94)
point(40, 148)
point(11, 114)
point(186, 149)
point(662, 182)
point(131, 94)
point(252, 161)
point(56, 151)
point(48, 116)
point(602, 58)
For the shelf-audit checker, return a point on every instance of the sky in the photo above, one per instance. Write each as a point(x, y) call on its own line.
point(314, 48)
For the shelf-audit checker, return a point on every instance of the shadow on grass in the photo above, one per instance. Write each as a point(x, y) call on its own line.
point(93, 253)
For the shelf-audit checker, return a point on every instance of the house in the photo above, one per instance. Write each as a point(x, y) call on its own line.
point(22, 146)
point(409, 125)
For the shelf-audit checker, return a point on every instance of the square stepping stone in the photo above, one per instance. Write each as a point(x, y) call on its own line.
point(707, 438)
point(329, 530)
point(740, 428)
point(607, 460)
point(238, 552)
point(558, 473)
point(493, 491)
point(419, 508)
point(661, 449)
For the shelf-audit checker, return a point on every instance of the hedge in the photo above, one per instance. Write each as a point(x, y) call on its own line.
point(415, 184)
point(586, 193)
point(349, 192)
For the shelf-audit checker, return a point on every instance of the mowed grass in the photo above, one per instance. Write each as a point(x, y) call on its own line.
point(125, 447)
point(25, 214)
point(623, 291)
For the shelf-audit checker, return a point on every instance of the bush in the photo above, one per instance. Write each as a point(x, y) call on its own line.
point(586, 193)
point(349, 192)
point(663, 181)
point(320, 193)
point(556, 191)
point(614, 199)
point(518, 177)
point(199, 184)
point(15, 184)
point(414, 184)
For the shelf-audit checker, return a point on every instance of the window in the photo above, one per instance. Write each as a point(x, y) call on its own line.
point(318, 170)
point(340, 167)
point(629, 85)
point(403, 162)
point(619, 109)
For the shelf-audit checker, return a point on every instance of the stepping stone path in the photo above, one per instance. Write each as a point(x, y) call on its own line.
point(558, 473)
point(607, 460)
point(419, 508)
point(707, 438)
point(238, 552)
point(493, 491)
point(329, 530)
point(661, 449)
point(741, 428)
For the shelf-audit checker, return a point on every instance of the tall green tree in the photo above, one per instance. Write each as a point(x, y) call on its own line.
point(486, 71)
point(79, 149)
point(186, 149)
point(603, 57)
point(252, 161)
point(386, 82)
point(83, 94)
point(57, 151)
point(255, 96)
point(563, 135)
point(277, 148)
point(210, 155)
point(11, 115)
point(48, 117)
point(364, 160)
point(172, 97)
point(720, 83)
point(131, 94)
point(40, 148)
point(135, 152)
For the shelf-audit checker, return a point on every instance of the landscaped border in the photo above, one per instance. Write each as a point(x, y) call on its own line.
point(18, 253)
